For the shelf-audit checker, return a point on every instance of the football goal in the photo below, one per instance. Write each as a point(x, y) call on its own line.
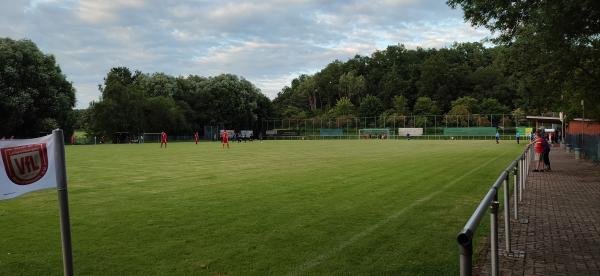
point(150, 138)
point(374, 133)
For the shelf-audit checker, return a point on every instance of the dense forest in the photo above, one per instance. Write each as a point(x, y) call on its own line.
point(397, 81)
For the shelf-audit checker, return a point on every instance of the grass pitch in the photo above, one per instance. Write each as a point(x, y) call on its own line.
point(271, 208)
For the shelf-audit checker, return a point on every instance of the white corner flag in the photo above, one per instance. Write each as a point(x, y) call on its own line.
point(27, 165)
point(33, 164)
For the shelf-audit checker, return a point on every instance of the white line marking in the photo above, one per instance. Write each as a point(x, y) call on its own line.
point(319, 259)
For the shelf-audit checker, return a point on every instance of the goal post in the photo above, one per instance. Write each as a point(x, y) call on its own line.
point(373, 133)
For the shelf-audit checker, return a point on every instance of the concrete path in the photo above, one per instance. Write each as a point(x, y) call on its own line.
point(562, 236)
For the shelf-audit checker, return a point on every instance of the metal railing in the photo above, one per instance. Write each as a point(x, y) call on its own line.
point(519, 168)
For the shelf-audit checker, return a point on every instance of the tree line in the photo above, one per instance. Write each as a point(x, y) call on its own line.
point(136, 102)
point(397, 81)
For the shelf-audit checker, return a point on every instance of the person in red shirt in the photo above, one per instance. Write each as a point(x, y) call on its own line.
point(163, 139)
point(225, 139)
point(539, 151)
point(196, 137)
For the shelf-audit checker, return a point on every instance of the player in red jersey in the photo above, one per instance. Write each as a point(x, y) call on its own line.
point(225, 139)
point(539, 151)
point(196, 137)
point(163, 139)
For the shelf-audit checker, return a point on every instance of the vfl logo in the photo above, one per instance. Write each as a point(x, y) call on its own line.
point(25, 164)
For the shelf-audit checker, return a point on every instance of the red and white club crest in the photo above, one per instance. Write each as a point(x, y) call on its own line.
point(25, 164)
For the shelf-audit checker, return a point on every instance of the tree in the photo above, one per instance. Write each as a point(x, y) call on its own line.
point(565, 36)
point(351, 86)
point(400, 105)
point(425, 106)
point(492, 106)
point(444, 77)
point(121, 106)
point(559, 20)
point(459, 114)
point(343, 107)
point(467, 103)
point(519, 116)
point(35, 96)
point(370, 106)
point(81, 119)
point(162, 114)
point(326, 82)
point(308, 90)
point(157, 84)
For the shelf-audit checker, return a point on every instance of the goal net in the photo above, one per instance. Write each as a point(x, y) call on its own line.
point(373, 133)
point(150, 138)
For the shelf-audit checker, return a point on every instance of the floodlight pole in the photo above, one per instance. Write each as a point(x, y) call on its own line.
point(63, 201)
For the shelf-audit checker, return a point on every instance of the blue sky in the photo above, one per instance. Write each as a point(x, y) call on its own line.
point(268, 42)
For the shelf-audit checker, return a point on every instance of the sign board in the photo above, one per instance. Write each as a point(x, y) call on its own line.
point(411, 131)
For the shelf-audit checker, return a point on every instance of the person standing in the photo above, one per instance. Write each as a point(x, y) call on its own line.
point(539, 151)
point(518, 137)
point(225, 139)
point(163, 139)
point(546, 154)
point(196, 137)
point(497, 137)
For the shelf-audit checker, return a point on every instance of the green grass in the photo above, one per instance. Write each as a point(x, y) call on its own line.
point(272, 208)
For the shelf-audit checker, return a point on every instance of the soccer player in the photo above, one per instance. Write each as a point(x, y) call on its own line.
point(163, 139)
point(497, 137)
point(225, 139)
point(518, 136)
point(196, 137)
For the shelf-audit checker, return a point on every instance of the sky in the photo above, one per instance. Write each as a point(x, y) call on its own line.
point(268, 42)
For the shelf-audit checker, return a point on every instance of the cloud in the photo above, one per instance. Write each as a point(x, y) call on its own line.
point(98, 11)
point(268, 42)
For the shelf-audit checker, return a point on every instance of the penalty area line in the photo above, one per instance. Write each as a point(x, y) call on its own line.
point(319, 259)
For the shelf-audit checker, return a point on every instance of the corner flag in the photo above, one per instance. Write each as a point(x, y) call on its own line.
point(33, 164)
point(27, 165)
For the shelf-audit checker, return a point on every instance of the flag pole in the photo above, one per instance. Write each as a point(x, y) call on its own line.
point(63, 201)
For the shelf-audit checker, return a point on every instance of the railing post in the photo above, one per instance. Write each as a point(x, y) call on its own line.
point(528, 157)
point(525, 168)
point(466, 259)
point(516, 171)
point(494, 236)
point(521, 177)
point(507, 212)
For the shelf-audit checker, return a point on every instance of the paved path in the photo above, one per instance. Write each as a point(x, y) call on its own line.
point(562, 236)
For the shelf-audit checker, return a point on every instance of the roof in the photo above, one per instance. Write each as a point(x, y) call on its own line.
point(545, 119)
